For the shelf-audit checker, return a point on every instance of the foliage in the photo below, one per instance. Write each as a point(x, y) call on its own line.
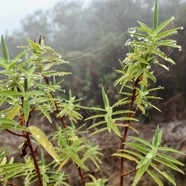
point(31, 85)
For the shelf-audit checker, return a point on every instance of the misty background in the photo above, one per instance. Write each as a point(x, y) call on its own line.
point(91, 35)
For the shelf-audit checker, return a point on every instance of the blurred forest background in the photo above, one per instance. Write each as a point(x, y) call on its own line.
point(92, 38)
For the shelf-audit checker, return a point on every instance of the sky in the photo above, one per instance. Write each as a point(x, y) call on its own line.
point(13, 11)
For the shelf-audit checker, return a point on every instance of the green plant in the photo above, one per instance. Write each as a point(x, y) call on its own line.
point(29, 88)
point(136, 76)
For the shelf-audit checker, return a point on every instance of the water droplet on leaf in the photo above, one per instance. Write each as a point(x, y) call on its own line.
point(38, 136)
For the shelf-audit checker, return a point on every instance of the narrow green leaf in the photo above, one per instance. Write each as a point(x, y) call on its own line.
point(11, 93)
point(133, 153)
point(45, 112)
point(167, 44)
point(6, 123)
point(125, 119)
point(132, 128)
point(155, 138)
point(170, 150)
point(42, 157)
point(5, 50)
point(77, 161)
point(169, 158)
point(168, 164)
point(149, 32)
point(122, 112)
point(151, 76)
point(140, 173)
point(6, 120)
point(20, 55)
point(164, 24)
point(127, 156)
point(155, 17)
point(166, 33)
point(145, 27)
point(105, 98)
point(2, 100)
point(97, 124)
point(94, 108)
point(98, 131)
point(13, 112)
point(153, 106)
point(155, 177)
point(116, 130)
point(95, 116)
point(141, 141)
point(159, 138)
point(138, 147)
point(26, 84)
point(163, 174)
point(26, 109)
point(34, 93)
point(43, 140)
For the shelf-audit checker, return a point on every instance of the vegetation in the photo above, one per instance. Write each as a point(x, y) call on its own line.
point(31, 87)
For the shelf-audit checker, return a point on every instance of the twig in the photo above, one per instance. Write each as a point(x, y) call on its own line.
point(20, 135)
point(129, 172)
point(8, 183)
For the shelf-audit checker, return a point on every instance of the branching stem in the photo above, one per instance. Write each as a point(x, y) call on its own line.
point(130, 172)
point(20, 135)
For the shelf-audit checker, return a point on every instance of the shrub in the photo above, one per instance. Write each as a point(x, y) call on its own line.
point(29, 89)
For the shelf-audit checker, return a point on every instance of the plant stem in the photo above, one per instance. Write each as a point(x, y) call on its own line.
point(20, 135)
point(7, 182)
point(122, 145)
point(130, 172)
point(82, 176)
point(34, 159)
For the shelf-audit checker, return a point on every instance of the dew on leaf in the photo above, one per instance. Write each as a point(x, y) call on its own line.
point(38, 136)
point(132, 30)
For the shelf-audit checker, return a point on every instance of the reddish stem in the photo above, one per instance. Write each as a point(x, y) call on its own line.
point(9, 183)
point(20, 135)
point(130, 172)
point(122, 146)
point(82, 176)
point(34, 159)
